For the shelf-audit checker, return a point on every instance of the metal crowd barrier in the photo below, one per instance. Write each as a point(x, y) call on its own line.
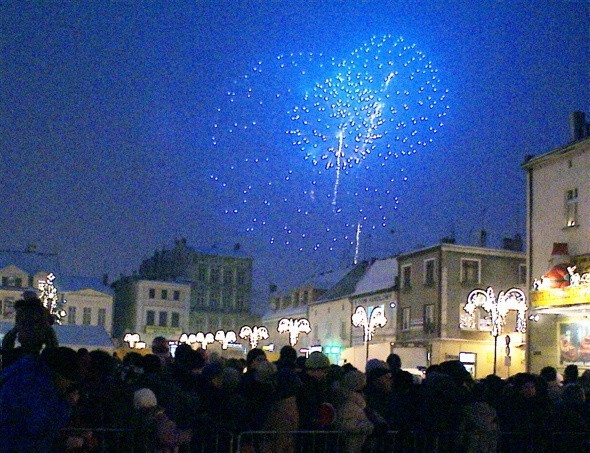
point(206, 441)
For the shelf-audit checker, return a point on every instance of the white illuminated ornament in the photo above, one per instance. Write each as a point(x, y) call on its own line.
point(204, 339)
point(369, 324)
point(294, 327)
point(254, 334)
point(511, 300)
point(225, 338)
point(189, 339)
point(134, 341)
point(49, 298)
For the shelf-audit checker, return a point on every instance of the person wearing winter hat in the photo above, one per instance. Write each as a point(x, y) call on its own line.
point(152, 427)
point(351, 417)
point(315, 410)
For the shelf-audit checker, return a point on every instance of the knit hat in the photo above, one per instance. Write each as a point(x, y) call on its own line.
point(317, 361)
point(144, 398)
point(375, 363)
point(353, 380)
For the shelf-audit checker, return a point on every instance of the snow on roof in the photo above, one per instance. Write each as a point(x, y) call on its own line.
point(78, 283)
point(380, 275)
point(91, 337)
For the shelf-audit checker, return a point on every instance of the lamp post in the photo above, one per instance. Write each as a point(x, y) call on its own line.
point(369, 323)
point(511, 300)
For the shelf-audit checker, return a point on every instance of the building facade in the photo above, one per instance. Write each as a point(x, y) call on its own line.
point(288, 312)
point(214, 290)
point(151, 308)
point(558, 252)
point(434, 285)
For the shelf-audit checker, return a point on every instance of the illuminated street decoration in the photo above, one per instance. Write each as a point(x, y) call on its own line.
point(203, 339)
point(50, 300)
point(294, 327)
point(511, 300)
point(498, 308)
point(575, 279)
point(255, 334)
point(369, 324)
point(225, 338)
point(134, 341)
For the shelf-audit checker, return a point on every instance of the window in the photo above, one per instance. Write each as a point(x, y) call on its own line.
point(86, 316)
point(407, 276)
point(18, 282)
point(571, 207)
point(214, 300)
point(200, 300)
point(227, 276)
point(150, 318)
point(406, 318)
point(428, 321)
point(152, 293)
point(164, 294)
point(522, 274)
point(102, 316)
point(163, 319)
point(429, 272)
point(241, 277)
point(470, 271)
point(343, 329)
point(175, 319)
point(71, 315)
point(202, 274)
point(214, 275)
point(176, 295)
point(240, 302)
point(4, 281)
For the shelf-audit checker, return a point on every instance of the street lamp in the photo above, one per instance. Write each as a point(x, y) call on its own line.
point(511, 300)
point(369, 323)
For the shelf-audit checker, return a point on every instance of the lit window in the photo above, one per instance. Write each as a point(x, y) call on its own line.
point(571, 207)
point(470, 271)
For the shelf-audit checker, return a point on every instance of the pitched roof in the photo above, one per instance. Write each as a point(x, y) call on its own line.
point(380, 275)
point(347, 284)
point(78, 283)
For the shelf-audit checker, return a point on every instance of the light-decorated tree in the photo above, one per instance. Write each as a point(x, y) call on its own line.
point(50, 299)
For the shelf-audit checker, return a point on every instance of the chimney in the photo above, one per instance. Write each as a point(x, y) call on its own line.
point(105, 279)
point(272, 288)
point(483, 238)
point(578, 126)
point(515, 244)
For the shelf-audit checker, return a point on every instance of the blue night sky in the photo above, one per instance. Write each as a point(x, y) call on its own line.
point(309, 132)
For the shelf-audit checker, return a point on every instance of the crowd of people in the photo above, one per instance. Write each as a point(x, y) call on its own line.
point(51, 399)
